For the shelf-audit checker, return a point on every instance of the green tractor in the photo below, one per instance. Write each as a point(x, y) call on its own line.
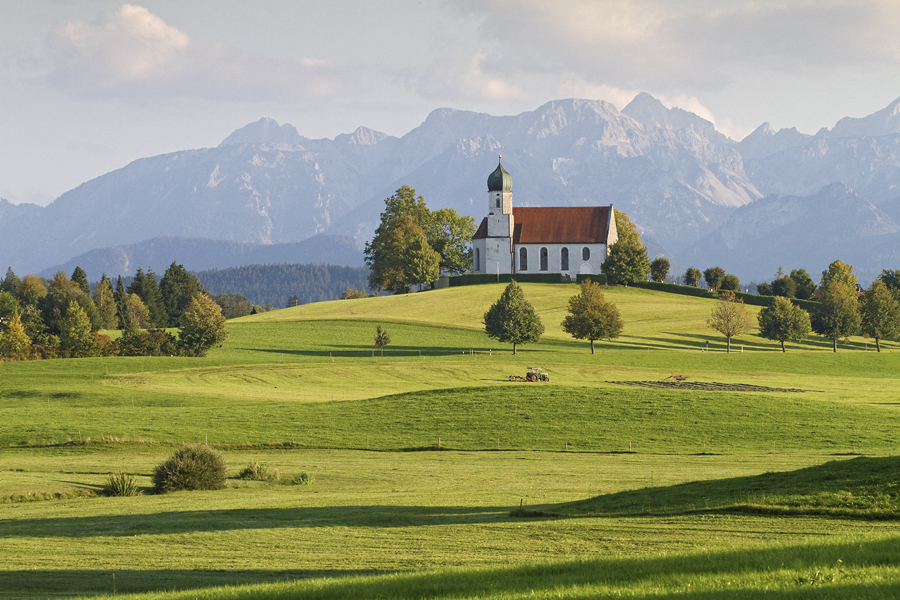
point(537, 374)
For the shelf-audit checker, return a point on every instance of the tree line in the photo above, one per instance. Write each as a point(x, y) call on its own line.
point(60, 317)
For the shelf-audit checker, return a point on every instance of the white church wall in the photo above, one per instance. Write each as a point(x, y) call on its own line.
point(597, 254)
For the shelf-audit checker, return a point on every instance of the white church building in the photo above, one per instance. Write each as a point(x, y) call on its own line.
point(565, 240)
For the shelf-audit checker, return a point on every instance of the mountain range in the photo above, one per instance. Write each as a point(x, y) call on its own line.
point(700, 198)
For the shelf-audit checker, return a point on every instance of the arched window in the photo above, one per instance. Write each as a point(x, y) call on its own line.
point(544, 260)
point(477, 260)
point(585, 253)
point(523, 259)
point(564, 259)
point(498, 201)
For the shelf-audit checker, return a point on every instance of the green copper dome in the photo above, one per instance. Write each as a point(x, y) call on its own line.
point(499, 180)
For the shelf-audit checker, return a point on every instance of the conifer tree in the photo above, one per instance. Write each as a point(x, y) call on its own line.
point(146, 286)
point(79, 278)
point(11, 283)
point(121, 297)
point(177, 287)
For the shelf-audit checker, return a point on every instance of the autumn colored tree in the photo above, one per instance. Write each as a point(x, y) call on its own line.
point(591, 317)
point(730, 317)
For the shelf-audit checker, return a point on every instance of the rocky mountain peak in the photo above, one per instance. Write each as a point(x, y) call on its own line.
point(264, 131)
point(363, 136)
point(647, 110)
point(883, 122)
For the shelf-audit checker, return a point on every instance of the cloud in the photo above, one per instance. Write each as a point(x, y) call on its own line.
point(462, 77)
point(648, 44)
point(132, 53)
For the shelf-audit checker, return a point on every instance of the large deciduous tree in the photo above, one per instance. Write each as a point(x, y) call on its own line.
point(75, 335)
point(692, 277)
point(591, 317)
point(714, 276)
point(512, 319)
point(659, 269)
point(880, 313)
point(730, 317)
point(782, 321)
point(402, 258)
point(838, 316)
point(203, 326)
point(805, 288)
point(449, 233)
point(627, 261)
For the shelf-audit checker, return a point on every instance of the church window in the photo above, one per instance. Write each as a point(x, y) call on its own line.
point(498, 201)
point(544, 259)
point(564, 259)
point(523, 259)
point(477, 260)
point(585, 253)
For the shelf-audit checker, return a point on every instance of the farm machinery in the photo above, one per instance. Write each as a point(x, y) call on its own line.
point(533, 374)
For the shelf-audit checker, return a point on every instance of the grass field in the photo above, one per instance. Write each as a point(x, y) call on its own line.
point(761, 471)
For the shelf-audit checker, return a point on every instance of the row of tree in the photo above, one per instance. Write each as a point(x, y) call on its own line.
point(513, 320)
point(60, 317)
point(843, 311)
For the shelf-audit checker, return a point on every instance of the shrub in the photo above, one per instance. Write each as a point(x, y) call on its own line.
point(121, 484)
point(194, 467)
point(259, 472)
point(303, 478)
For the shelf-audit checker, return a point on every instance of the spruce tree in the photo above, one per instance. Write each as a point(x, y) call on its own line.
point(178, 286)
point(79, 277)
point(146, 286)
point(11, 283)
point(121, 298)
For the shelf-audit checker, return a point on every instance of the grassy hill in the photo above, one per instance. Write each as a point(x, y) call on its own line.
point(420, 455)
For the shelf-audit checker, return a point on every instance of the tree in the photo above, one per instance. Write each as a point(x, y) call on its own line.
point(627, 261)
point(512, 319)
point(880, 313)
point(838, 317)
point(692, 277)
point(293, 301)
point(382, 338)
point(105, 301)
point(714, 276)
point(79, 278)
point(591, 316)
point(784, 286)
point(75, 335)
point(730, 283)
point(203, 326)
point(136, 313)
point(783, 321)
point(146, 286)
point(177, 288)
point(9, 308)
point(55, 305)
point(32, 291)
point(890, 278)
point(11, 284)
point(730, 317)
point(403, 258)
point(449, 233)
point(805, 286)
point(764, 289)
point(659, 269)
point(121, 297)
point(351, 293)
point(13, 338)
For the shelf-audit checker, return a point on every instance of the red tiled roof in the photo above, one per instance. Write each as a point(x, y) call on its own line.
point(482, 230)
point(560, 225)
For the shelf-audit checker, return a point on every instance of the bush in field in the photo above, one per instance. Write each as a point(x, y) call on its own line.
point(303, 478)
point(121, 484)
point(194, 467)
point(259, 472)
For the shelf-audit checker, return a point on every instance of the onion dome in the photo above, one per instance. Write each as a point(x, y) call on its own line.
point(499, 180)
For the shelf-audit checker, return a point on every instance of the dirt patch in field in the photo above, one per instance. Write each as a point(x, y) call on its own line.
point(707, 386)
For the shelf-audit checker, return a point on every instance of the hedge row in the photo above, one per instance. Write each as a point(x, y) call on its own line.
point(601, 279)
point(674, 288)
point(479, 278)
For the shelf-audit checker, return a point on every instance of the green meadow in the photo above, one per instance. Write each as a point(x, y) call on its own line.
point(434, 475)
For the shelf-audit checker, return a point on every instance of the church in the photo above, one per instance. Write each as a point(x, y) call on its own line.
point(565, 240)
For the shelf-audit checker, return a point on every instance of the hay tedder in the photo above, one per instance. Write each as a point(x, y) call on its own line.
point(533, 374)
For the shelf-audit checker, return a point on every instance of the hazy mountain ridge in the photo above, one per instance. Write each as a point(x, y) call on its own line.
point(678, 178)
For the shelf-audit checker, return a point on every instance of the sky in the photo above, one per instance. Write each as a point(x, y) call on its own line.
point(87, 86)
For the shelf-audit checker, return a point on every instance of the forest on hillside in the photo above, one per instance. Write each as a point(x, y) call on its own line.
point(275, 284)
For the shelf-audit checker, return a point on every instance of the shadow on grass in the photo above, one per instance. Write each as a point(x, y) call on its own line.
point(861, 487)
point(181, 522)
point(810, 570)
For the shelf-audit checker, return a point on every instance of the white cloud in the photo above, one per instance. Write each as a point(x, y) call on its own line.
point(132, 53)
point(461, 77)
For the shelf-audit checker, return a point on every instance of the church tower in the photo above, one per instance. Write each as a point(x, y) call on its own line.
point(500, 222)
